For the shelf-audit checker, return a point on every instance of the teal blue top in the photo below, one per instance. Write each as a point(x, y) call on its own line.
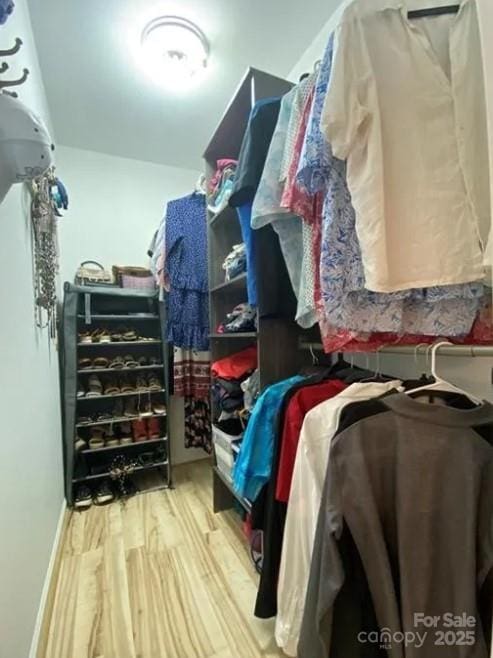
point(253, 466)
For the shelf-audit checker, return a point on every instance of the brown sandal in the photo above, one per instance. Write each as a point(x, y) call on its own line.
point(101, 362)
point(95, 387)
point(117, 363)
point(130, 362)
point(126, 386)
point(154, 383)
point(141, 383)
point(97, 438)
point(111, 387)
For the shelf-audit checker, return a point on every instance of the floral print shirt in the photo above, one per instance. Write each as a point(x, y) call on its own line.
point(347, 305)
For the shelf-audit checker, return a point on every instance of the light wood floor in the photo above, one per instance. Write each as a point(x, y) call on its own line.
point(160, 577)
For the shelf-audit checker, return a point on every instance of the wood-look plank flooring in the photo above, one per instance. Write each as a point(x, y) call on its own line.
point(161, 576)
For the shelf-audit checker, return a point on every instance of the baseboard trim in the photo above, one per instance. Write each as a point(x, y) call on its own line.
point(45, 603)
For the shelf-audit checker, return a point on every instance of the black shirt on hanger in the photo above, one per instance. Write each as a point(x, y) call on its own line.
point(254, 149)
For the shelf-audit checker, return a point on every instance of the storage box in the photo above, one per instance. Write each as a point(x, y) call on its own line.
point(225, 448)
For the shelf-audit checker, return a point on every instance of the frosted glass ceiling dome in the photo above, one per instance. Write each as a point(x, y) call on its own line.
point(175, 49)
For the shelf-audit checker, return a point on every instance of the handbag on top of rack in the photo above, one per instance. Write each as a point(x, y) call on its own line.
point(92, 273)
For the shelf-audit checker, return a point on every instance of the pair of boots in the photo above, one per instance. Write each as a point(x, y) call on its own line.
point(145, 429)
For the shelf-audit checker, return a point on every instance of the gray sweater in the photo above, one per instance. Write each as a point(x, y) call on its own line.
point(413, 486)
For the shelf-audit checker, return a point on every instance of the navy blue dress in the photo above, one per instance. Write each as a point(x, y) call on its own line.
point(186, 269)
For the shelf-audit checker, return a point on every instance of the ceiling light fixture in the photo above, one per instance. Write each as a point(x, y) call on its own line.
point(176, 50)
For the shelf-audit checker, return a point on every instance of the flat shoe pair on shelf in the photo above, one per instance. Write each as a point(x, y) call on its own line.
point(112, 386)
point(104, 336)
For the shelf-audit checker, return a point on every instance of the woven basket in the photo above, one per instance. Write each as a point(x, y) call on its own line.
point(137, 278)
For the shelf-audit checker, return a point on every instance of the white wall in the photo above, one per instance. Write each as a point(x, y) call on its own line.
point(316, 48)
point(116, 204)
point(31, 487)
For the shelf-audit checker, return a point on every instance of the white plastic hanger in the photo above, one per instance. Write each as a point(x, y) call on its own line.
point(441, 384)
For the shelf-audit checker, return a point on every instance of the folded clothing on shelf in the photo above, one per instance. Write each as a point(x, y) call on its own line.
point(236, 366)
point(221, 186)
point(243, 318)
point(235, 262)
point(227, 394)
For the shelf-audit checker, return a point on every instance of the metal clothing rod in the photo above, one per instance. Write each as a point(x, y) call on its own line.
point(411, 350)
point(434, 11)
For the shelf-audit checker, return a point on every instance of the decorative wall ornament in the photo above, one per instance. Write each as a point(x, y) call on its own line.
point(44, 250)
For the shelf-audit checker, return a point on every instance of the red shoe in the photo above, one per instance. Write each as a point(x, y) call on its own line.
point(139, 430)
point(153, 428)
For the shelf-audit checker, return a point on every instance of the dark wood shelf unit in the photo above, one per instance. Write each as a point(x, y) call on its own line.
point(237, 283)
point(88, 308)
point(277, 336)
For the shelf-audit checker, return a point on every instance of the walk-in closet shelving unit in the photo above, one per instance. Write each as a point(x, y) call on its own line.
point(277, 335)
point(115, 310)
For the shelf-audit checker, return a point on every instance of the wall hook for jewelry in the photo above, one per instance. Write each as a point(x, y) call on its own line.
point(12, 51)
point(4, 67)
point(15, 83)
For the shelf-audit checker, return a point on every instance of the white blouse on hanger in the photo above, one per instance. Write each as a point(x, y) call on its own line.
point(405, 106)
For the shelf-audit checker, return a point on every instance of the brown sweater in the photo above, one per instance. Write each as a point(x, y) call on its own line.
point(413, 487)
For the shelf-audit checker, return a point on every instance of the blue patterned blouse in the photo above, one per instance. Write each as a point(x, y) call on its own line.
point(440, 311)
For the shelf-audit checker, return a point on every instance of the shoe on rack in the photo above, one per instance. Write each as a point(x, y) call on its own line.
point(146, 410)
point(125, 429)
point(139, 431)
point(101, 362)
point(129, 361)
point(153, 428)
point(126, 385)
point(154, 383)
point(95, 387)
point(161, 454)
point(117, 363)
point(84, 337)
point(83, 497)
point(111, 387)
point(118, 409)
point(141, 383)
point(79, 444)
point(84, 364)
point(97, 438)
point(159, 408)
point(104, 493)
point(130, 408)
point(81, 391)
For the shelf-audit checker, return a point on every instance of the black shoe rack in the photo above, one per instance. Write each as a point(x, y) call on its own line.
point(105, 323)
